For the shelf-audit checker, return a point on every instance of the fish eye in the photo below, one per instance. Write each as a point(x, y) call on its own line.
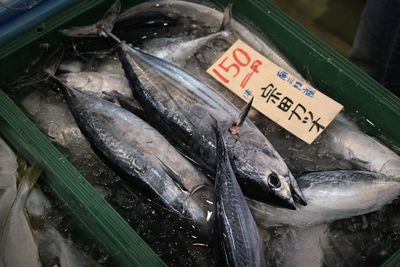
point(273, 181)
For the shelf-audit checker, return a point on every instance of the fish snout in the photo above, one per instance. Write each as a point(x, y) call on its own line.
point(281, 188)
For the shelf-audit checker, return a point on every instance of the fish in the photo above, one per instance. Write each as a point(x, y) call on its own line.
point(18, 244)
point(183, 108)
point(8, 180)
point(236, 229)
point(331, 195)
point(138, 153)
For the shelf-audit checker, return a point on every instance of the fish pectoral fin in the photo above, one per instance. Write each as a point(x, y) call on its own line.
point(197, 188)
point(173, 174)
point(125, 102)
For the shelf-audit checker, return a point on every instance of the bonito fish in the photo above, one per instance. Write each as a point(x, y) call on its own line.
point(236, 229)
point(138, 152)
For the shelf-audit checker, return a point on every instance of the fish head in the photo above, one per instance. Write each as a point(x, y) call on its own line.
point(262, 173)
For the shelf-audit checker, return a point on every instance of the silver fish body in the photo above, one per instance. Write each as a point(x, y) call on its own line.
point(8, 180)
point(331, 195)
point(185, 109)
point(142, 155)
point(179, 50)
point(18, 244)
point(236, 229)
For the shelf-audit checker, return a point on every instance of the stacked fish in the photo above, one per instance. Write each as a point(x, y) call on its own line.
point(163, 125)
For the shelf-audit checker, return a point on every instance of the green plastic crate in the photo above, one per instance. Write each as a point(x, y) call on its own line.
point(378, 109)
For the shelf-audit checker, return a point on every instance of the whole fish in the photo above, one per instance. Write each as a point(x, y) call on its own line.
point(140, 154)
point(18, 246)
point(236, 229)
point(331, 195)
point(8, 180)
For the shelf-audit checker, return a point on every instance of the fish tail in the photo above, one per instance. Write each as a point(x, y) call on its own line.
point(226, 21)
point(104, 25)
point(47, 68)
point(32, 175)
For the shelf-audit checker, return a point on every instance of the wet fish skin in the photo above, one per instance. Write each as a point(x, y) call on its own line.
point(236, 229)
point(331, 195)
point(137, 151)
point(18, 246)
point(178, 50)
point(8, 180)
point(184, 109)
point(346, 141)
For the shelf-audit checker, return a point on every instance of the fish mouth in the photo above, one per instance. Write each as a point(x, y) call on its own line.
point(278, 197)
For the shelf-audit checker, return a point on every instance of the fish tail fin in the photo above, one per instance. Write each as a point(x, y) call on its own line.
point(47, 68)
point(28, 176)
point(106, 24)
point(226, 21)
point(33, 175)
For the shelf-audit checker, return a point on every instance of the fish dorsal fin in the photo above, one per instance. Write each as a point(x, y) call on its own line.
point(243, 113)
point(226, 21)
point(173, 174)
